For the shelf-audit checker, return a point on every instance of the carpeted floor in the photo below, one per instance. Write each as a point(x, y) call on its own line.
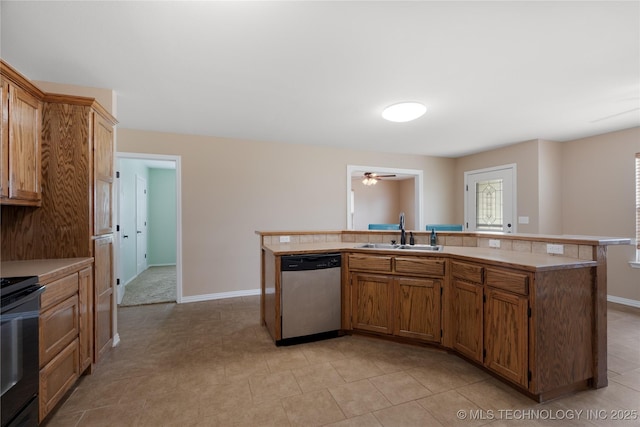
point(154, 285)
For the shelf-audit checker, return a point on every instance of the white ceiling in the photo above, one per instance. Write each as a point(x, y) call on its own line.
point(491, 73)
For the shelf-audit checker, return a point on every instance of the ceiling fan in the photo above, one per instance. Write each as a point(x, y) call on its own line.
point(371, 178)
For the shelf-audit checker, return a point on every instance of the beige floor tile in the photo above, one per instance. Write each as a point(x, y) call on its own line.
point(630, 379)
point(120, 415)
point(452, 409)
point(312, 409)
point(267, 414)
point(64, 419)
point(322, 353)
point(493, 395)
point(286, 359)
point(437, 378)
point(273, 386)
point(317, 377)
point(399, 387)
point(103, 393)
point(366, 420)
point(246, 367)
point(354, 369)
point(233, 396)
point(358, 398)
point(170, 410)
point(406, 415)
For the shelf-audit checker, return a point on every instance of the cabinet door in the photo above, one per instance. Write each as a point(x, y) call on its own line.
point(57, 377)
point(103, 175)
point(85, 307)
point(467, 319)
point(372, 302)
point(103, 295)
point(24, 145)
point(418, 308)
point(4, 139)
point(58, 326)
point(506, 326)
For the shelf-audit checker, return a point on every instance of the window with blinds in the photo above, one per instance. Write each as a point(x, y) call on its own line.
point(638, 200)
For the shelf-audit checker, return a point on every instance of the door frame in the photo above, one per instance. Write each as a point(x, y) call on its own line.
point(164, 157)
point(512, 167)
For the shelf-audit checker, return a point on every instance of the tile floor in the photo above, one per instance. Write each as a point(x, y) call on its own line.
point(211, 364)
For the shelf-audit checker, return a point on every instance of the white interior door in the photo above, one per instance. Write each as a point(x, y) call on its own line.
point(141, 224)
point(490, 199)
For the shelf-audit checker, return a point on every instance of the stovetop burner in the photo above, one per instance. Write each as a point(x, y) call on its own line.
point(10, 285)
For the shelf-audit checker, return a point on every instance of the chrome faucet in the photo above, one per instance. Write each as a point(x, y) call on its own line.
point(403, 234)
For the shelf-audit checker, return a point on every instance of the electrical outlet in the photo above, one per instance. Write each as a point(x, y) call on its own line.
point(555, 249)
point(285, 239)
point(494, 243)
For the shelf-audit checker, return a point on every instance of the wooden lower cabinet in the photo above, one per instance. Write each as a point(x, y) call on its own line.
point(57, 377)
point(372, 296)
point(467, 319)
point(65, 335)
point(103, 295)
point(418, 308)
point(506, 334)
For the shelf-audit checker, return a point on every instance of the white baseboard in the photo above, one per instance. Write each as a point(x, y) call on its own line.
point(221, 295)
point(161, 265)
point(116, 340)
point(623, 301)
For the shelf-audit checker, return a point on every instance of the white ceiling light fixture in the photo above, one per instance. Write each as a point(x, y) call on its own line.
point(404, 111)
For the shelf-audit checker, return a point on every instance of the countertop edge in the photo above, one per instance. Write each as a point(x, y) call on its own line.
point(539, 263)
point(47, 270)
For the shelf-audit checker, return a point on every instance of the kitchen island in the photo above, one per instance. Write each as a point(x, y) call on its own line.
point(535, 320)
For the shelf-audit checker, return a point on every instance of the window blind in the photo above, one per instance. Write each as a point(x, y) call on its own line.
point(638, 200)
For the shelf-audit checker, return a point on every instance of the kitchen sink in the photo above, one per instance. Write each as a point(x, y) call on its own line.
point(379, 246)
point(428, 248)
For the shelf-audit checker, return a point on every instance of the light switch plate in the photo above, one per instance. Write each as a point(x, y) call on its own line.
point(555, 249)
point(285, 239)
point(523, 220)
point(494, 243)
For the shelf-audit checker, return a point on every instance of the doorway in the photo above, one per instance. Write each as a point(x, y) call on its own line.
point(149, 257)
point(355, 174)
point(490, 199)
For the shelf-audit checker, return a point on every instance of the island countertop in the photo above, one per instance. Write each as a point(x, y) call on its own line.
point(525, 260)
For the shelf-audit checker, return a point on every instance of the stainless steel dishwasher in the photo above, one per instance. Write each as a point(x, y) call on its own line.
point(311, 297)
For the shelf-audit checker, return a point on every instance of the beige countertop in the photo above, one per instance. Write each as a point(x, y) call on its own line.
point(525, 260)
point(47, 270)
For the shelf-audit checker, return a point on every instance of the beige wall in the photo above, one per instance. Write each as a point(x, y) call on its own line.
point(583, 187)
point(549, 187)
point(375, 204)
point(599, 199)
point(525, 156)
point(231, 188)
point(407, 191)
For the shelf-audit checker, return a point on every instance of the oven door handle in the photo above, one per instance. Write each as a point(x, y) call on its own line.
point(23, 297)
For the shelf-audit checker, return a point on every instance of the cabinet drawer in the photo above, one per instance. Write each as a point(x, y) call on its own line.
point(58, 326)
point(508, 280)
point(59, 290)
point(420, 266)
point(370, 263)
point(57, 377)
point(468, 272)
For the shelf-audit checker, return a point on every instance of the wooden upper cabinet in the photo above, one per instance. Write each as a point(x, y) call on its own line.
point(103, 175)
point(21, 145)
